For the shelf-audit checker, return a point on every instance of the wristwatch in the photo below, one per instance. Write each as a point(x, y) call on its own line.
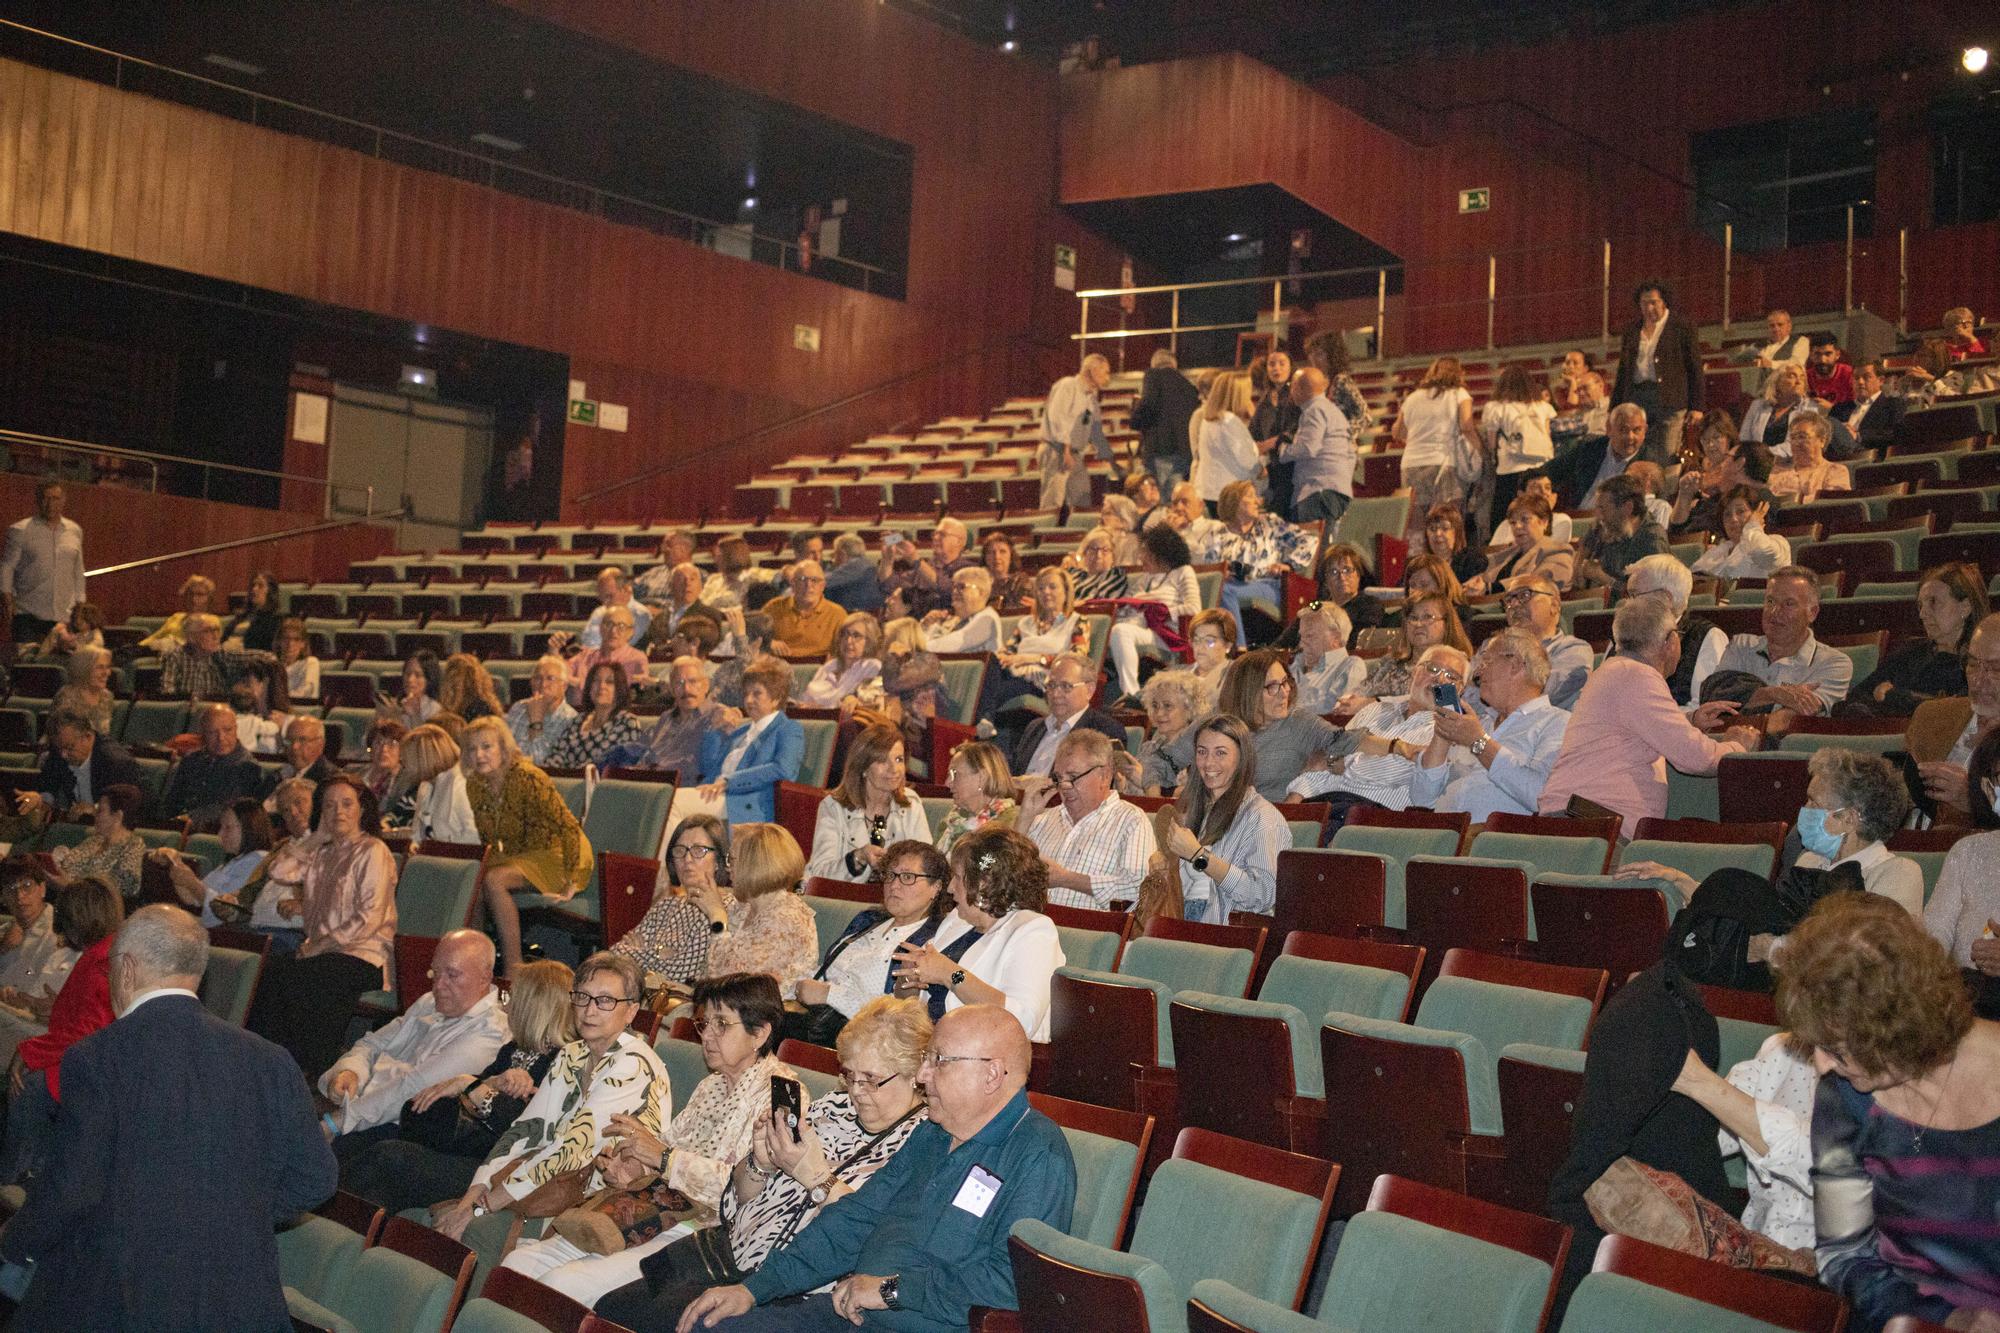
point(1480, 746)
point(1200, 859)
point(891, 1284)
point(717, 927)
point(957, 976)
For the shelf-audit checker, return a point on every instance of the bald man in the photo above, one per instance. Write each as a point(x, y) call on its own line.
point(451, 1034)
point(927, 1234)
point(1321, 452)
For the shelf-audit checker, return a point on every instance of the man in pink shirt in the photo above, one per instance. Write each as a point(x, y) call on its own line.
point(1626, 728)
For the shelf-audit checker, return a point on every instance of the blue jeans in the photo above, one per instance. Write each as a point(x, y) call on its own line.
point(1327, 504)
point(1235, 594)
point(1168, 471)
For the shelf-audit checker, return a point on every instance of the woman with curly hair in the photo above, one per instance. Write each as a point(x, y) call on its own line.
point(465, 688)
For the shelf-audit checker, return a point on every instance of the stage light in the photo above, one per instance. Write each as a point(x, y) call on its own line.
point(1010, 45)
point(1974, 59)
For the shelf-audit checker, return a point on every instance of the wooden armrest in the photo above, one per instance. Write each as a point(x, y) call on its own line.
point(1156, 1092)
point(985, 1319)
point(1489, 1146)
point(1382, 934)
point(1039, 1059)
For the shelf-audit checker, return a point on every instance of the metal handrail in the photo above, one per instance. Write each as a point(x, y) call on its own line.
point(236, 542)
point(493, 164)
point(84, 446)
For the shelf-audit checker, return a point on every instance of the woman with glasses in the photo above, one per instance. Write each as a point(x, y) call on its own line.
point(915, 910)
point(671, 941)
point(1096, 569)
point(1225, 836)
point(1173, 700)
point(772, 931)
point(778, 1190)
point(1340, 573)
point(1260, 690)
point(1428, 620)
point(855, 661)
point(1001, 884)
point(1444, 538)
point(1533, 551)
point(698, 1153)
point(1211, 639)
point(870, 809)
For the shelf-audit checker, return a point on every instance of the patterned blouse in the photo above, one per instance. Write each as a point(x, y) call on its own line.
point(1353, 403)
point(672, 939)
point(527, 814)
point(1386, 679)
point(348, 901)
point(1270, 543)
point(959, 822)
point(761, 1223)
point(1092, 587)
point(537, 739)
point(712, 1132)
point(563, 1125)
point(580, 746)
point(117, 862)
point(775, 934)
point(1066, 635)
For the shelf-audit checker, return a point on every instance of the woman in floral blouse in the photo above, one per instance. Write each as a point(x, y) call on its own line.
point(772, 931)
point(535, 844)
point(982, 792)
point(112, 852)
point(671, 941)
point(606, 727)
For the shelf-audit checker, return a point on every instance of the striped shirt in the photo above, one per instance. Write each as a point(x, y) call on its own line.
point(1111, 844)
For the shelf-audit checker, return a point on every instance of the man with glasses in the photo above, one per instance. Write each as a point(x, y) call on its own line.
point(1495, 756)
point(614, 589)
point(455, 1029)
point(1536, 606)
point(1389, 734)
point(926, 1237)
point(1096, 844)
point(1071, 683)
point(675, 740)
point(1944, 732)
point(803, 621)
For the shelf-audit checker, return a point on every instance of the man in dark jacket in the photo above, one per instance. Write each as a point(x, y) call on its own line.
point(1659, 368)
point(221, 771)
point(1166, 401)
point(1873, 414)
point(181, 1144)
point(1072, 681)
point(79, 766)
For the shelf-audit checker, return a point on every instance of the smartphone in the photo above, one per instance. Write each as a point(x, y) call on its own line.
point(1445, 696)
point(788, 1099)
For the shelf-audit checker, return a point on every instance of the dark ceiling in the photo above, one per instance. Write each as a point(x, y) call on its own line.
point(1249, 227)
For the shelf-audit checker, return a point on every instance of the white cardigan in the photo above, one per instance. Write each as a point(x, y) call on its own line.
point(444, 812)
point(840, 830)
point(1017, 956)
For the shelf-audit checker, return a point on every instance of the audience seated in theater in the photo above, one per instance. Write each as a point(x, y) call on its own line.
point(616, 651)
point(1787, 347)
point(750, 637)
point(1428, 573)
point(272, 895)
point(1071, 684)
point(255, 627)
point(1094, 842)
point(1258, 688)
point(263, 710)
point(1211, 640)
point(197, 592)
point(382, 773)
point(1853, 804)
point(451, 1032)
point(79, 765)
point(1579, 471)
point(671, 941)
point(1580, 398)
point(1944, 733)
point(679, 598)
point(1768, 419)
point(982, 792)
point(1532, 553)
point(535, 843)
point(294, 653)
point(113, 851)
point(803, 621)
point(1000, 882)
point(1742, 549)
point(1433, 425)
point(1959, 334)
point(246, 837)
point(1872, 414)
point(779, 1188)
point(1166, 578)
point(654, 587)
point(1496, 756)
point(201, 668)
point(851, 580)
point(466, 688)
point(975, 1078)
point(742, 767)
point(1095, 567)
point(1965, 909)
point(1651, 483)
point(1536, 484)
point(1800, 674)
point(1166, 400)
point(418, 704)
point(443, 811)
point(34, 958)
point(771, 929)
point(870, 809)
point(1626, 728)
point(1187, 513)
point(1174, 700)
point(1377, 757)
point(698, 636)
point(1536, 606)
point(1702, 644)
point(1256, 550)
point(614, 589)
point(1323, 671)
point(1622, 536)
point(347, 901)
point(605, 1083)
point(917, 909)
point(1951, 601)
point(1051, 627)
point(606, 731)
point(540, 721)
point(1224, 450)
point(1698, 500)
point(1225, 837)
point(948, 555)
point(82, 628)
point(1903, 1212)
point(305, 751)
point(1428, 620)
point(970, 626)
point(208, 779)
point(1013, 586)
point(86, 689)
point(736, 573)
point(856, 659)
point(1829, 380)
point(675, 741)
point(446, 1128)
point(1809, 476)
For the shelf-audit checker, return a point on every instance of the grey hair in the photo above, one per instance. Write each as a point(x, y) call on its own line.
point(1334, 616)
point(1178, 681)
point(950, 524)
point(1092, 745)
point(1163, 359)
point(1077, 660)
point(1814, 424)
point(1867, 784)
point(848, 545)
point(1524, 645)
point(1624, 409)
point(164, 941)
point(1641, 625)
point(622, 966)
point(1122, 506)
point(1444, 650)
point(1663, 574)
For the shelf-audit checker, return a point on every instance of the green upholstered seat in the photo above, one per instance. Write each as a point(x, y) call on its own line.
point(1092, 950)
point(831, 916)
point(1613, 1303)
point(1394, 1274)
point(230, 983)
point(686, 1066)
point(1104, 1169)
point(1561, 856)
point(1699, 860)
point(1398, 845)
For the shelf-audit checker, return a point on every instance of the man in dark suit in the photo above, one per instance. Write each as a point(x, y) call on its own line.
point(1578, 470)
point(1659, 368)
point(1874, 414)
point(79, 766)
point(181, 1143)
point(1166, 401)
point(1072, 680)
point(205, 782)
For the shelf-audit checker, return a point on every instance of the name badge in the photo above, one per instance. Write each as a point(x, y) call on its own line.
point(976, 1195)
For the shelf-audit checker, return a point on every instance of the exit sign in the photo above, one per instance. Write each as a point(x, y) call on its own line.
point(583, 411)
point(1475, 201)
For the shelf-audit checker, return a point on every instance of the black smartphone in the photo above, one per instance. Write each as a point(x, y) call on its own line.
point(788, 1099)
point(1445, 696)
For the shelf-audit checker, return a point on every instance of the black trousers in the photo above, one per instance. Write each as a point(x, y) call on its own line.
point(306, 1004)
point(398, 1174)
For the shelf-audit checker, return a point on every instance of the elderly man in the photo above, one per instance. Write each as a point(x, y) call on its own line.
point(41, 567)
point(1186, 513)
point(676, 549)
point(1388, 735)
point(674, 743)
point(1321, 452)
point(455, 1030)
point(1071, 682)
point(680, 598)
point(1535, 605)
point(79, 765)
point(201, 668)
point(852, 580)
point(1702, 644)
point(1623, 536)
point(305, 753)
point(34, 962)
point(950, 543)
point(616, 648)
point(204, 783)
point(925, 1238)
point(124, 1233)
point(1497, 757)
point(1944, 732)
point(803, 621)
point(1800, 674)
point(1579, 471)
point(1095, 843)
point(1073, 425)
point(1166, 400)
point(614, 589)
point(1786, 347)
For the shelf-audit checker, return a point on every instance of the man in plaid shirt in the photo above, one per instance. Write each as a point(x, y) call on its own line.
point(201, 668)
point(1095, 844)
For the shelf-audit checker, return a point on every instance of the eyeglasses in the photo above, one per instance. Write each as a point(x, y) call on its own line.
point(856, 1080)
point(715, 1027)
point(932, 1059)
point(1071, 779)
point(1278, 686)
point(583, 999)
point(905, 878)
point(800, 580)
point(1520, 595)
point(1063, 685)
point(693, 851)
point(1424, 618)
point(1445, 674)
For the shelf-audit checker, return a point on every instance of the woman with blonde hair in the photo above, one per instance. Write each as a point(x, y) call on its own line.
point(772, 931)
point(856, 660)
point(431, 767)
point(294, 650)
point(1768, 420)
point(982, 792)
point(870, 809)
point(465, 688)
point(1436, 430)
point(537, 844)
point(196, 593)
point(1224, 451)
point(1049, 629)
point(86, 690)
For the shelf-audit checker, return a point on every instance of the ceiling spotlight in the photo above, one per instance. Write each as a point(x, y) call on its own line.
point(1235, 236)
point(1974, 59)
point(750, 202)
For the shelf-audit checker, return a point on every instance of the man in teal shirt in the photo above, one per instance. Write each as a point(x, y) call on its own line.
point(925, 1239)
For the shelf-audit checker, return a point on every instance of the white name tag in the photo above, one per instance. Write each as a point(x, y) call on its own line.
point(975, 1196)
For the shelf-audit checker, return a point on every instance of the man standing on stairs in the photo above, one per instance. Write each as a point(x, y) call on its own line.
point(1073, 424)
point(1659, 368)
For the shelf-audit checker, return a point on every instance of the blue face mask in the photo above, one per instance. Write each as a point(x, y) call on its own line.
point(1814, 835)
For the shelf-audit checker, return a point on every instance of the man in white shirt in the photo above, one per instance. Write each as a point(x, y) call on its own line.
point(1498, 757)
point(1392, 733)
point(614, 588)
point(1944, 771)
point(1536, 606)
point(456, 1029)
point(1188, 515)
point(1785, 348)
point(1800, 674)
point(1095, 843)
point(34, 962)
point(41, 567)
point(1072, 425)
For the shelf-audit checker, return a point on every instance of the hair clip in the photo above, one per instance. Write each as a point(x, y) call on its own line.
point(987, 860)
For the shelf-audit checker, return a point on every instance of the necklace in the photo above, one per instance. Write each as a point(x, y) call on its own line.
point(1917, 1135)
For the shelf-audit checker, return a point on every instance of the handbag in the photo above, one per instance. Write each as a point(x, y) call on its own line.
point(1633, 1199)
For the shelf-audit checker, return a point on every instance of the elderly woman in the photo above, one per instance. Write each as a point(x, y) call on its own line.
point(1095, 567)
point(197, 591)
point(113, 852)
point(273, 894)
point(418, 702)
point(1211, 639)
point(671, 940)
point(615, 650)
point(294, 653)
point(735, 574)
point(870, 809)
point(1428, 620)
point(1323, 671)
point(1257, 550)
point(1951, 601)
point(1768, 420)
point(465, 688)
point(537, 844)
point(1810, 475)
point(982, 792)
point(1444, 537)
point(1001, 884)
point(1120, 517)
point(1340, 574)
point(779, 1189)
point(1765, 1110)
point(916, 910)
point(608, 1076)
point(607, 731)
point(771, 931)
point(83, 629)
point(971, 626)
point(1051, 628)
point(856, 660)
point(1167, 580)
point(430, 759)
point(1853, 803)
point(383, 772)
point(1742, 549)
point(540, 721)
point(347, 900)
point(1013, 586)
point(1259, 689)
point(86, 689)
point(1226, 836)
point(752, 643)
point(1533, 551)
point(1906, 1125)
point(246, 837)
point(742, 767)
point(1173, 700)
point(448, 1128)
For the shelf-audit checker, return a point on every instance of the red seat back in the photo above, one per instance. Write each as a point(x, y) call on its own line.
point(1420, 1140)
point(1097, 1032)
point(1233, 1073)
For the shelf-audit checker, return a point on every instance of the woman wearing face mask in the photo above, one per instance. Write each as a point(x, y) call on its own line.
point(1227, 836)
point(1854, 802)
